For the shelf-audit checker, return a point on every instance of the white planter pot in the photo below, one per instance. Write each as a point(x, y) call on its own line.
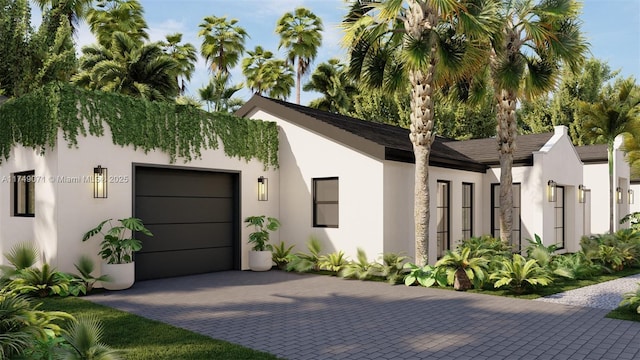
point(260, 260)
point(122, 275)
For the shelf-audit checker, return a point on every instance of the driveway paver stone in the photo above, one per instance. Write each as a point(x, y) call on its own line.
point(301, 316)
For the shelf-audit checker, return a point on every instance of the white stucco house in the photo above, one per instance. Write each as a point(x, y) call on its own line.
point(346, 181)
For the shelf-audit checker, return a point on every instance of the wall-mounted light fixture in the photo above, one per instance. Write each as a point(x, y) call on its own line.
point(631, 197)
point(619, 195)
point(582, 193)
point(100, 182)
point(263, 188)
point(551, 191)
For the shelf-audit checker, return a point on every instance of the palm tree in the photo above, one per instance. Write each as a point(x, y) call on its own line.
point(617, 112)
point(525, 55)
point(300, 34)
point(84, 336)
point(124, 66)
point(219, 94)
point(426, 42)
point(111, 16)
point(222, 43)
point(184, 54)
point(253, 69)
point(331, 80)
point(264, 74)
point(73, 10)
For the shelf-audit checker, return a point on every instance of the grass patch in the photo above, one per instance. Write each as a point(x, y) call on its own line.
point(149, 339)
point(624, 313)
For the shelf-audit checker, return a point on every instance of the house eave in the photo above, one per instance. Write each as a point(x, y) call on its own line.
point(405, 156)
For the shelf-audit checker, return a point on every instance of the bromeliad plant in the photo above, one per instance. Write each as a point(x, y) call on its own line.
point(259, 239)
point(118, 243)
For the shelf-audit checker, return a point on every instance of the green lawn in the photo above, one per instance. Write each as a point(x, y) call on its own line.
point(149, 339)
point(624, 314)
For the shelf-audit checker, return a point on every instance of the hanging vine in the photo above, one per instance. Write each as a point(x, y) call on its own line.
point(181, 131)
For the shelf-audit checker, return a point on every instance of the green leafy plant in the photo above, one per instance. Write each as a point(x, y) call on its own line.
point(462, 270)
point(85, 336)
point(303, 262)
point(485, 246)
point(426, 275)
point(633, 219)
point(537, 244)
point(631, 300)
point(281, 255)
point(333, 262)
point(574, 266)
point(611, 257)
point(519, 273)
point(42, 282)
point(85, 267)
point(118, 243)
point(361, 269)
point(22, 255)
point(259, 239)
point(392, 267)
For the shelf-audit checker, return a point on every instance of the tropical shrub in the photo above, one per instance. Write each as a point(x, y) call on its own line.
point(85, 267)
point(574, 266)
point(631, 300)
point(485, 246)
point(281, 255)
point(426, 275)
point(361, 269)
point(302, 262)
point(611, 257)
point(85, 337)
point(462, 270)
point(541, 253)
point(43, 282)
point(392, 267)
point(519, 274)
point(333, 262)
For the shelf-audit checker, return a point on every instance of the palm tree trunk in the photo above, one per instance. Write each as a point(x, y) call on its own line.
point(461, 280)
point(611, 187)
point(421, 135)
point(298, 80)
point(506, 136)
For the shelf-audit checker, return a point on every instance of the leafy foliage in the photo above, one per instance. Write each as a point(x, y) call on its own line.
point(85, 267)
point(392, 267)
point(462, 269)
point(631, 300)
point(33, 120)
point(519, 273)
point(302, 262)
point(259, 239)
point(333, 262)
point(360, 269)
point(42, 282)
point(574, 266)
point(281, 255)
point(426, 275)
point(85, 337)
point(22, 255)
point(116, 247)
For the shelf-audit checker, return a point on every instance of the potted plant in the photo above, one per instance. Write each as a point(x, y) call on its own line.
point(260, 258)
point(116, 249)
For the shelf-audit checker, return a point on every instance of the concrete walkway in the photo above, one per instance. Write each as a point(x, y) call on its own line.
point(320, 317)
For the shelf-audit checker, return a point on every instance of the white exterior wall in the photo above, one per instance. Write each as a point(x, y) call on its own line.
point(65, 211)
point(305, 155)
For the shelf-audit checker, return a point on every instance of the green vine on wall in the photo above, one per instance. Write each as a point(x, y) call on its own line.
point(181, 131)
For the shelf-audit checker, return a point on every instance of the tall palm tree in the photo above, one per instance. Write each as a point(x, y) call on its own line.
point(73, 10)
point(535, 36)
point(186, 56)
point(427, 42)
point(617, 112)
point(253, 69)
point(301, 35)
point(218, 94)
point(222, 43)
point(330, 79)
point(126, 67)
point(266, 75)
point(110, 16)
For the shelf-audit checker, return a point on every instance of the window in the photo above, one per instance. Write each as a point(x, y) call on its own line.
point(467, 210)
point(24, 193)
point(325, 202)
point(559, 217)
point(442, 216)
point(495, 215)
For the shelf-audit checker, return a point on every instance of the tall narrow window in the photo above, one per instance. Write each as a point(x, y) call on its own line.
point(467, 210)
point(495, 215)
point(442, 216)
point(559, 217)
point(24, 193)
point(325, 202)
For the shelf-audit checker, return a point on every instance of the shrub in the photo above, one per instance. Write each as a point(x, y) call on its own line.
point(485, 246)
point(462, 270)
point(575, 266)
point(43, 282)
point(333, 262)
point(361, 269)
point(302, 262)
point(426, 275)
point(519, 273)
point(85, 267)
point(281, 255)
point(631, 300)
point(392, 267)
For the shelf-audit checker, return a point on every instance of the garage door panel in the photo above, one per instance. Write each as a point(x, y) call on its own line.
point(159, 265)
point(171, 182)
point(158, 210)
point(187, 236)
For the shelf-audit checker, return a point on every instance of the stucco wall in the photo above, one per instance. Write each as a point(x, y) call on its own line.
point(305, 155)
point(66, 210)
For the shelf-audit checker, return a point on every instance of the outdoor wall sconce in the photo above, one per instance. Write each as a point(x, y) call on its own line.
point(551, 191)
point(582, 193)
point(263, 189)
point(100, 182)
point(619, 195)
point(631, 197)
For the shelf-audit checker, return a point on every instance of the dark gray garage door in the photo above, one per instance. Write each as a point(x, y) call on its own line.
point(194, 218)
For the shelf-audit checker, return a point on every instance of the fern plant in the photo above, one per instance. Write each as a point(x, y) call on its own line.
point(464, 272)
point(333, 262)
point(519, 274)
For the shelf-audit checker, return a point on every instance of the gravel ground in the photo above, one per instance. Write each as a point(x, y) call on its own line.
point(606, 295)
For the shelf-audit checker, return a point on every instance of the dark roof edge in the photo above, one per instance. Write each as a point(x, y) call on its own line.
point(404, 156)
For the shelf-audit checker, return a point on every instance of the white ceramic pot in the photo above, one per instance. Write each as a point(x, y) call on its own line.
point(260, 260)
point(122, 275)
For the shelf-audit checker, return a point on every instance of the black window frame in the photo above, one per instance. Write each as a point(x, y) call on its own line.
point(560, 198)
point(495, 228)
point(323, 202)
point(467, 232)
point(447, 215)
point(27, 177)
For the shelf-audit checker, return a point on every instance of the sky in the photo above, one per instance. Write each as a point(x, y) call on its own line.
point(612, 27)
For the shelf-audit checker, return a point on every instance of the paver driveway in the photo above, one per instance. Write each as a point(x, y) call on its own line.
point(320, 317)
